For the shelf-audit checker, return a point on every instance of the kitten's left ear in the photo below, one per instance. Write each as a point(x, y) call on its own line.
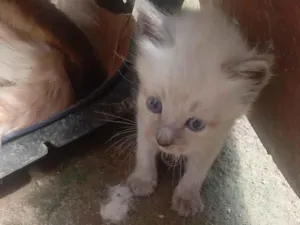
point(256, 69)
point(151, 23)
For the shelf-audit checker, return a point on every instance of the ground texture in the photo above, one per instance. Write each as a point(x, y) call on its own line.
point(244, 187)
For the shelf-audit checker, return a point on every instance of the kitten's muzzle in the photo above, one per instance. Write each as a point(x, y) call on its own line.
point(165, 136)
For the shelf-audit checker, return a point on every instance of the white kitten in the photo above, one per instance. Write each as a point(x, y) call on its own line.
point(197, 75)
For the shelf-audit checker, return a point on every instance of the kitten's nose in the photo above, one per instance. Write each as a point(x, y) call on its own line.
point(164, 136)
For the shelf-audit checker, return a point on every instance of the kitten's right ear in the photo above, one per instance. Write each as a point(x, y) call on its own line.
point(151, 23)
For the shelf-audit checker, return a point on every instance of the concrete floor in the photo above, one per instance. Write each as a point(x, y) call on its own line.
point(244, 186)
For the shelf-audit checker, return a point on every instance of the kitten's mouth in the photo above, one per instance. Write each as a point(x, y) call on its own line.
point(171, 150)
point(172, 160)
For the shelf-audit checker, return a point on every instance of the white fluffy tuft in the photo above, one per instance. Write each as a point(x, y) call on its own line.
point(119, 204)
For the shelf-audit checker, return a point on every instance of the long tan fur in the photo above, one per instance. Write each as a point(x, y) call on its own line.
point(33, 81)
point(34, 51)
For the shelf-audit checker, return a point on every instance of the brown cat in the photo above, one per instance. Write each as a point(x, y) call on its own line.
point(38, 43)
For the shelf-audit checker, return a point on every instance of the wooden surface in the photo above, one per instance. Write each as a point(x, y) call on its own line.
point(276, 115)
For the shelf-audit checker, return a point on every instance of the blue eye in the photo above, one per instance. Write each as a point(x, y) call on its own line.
point(154, 105)
point(195, 124)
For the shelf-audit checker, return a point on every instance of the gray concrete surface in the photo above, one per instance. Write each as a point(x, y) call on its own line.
point(244, 186)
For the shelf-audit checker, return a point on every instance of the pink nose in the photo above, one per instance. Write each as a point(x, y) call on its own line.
point(165, 137)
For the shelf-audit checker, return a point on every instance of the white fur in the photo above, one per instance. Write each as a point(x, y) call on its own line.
point(33, 82)
point(119, 204)
point(199, 65)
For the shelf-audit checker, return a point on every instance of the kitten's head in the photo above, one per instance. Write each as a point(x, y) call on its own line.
point(197, 75)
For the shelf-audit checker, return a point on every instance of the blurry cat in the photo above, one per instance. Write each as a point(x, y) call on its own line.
point(197, 76)
point(108, 33)
point(33, 82)
point(38, 46)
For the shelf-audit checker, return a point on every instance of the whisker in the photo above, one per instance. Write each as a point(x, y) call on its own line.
point(129, 127)
point(129, 146)
point(123, 147)
point(126, 131)
point(125, 78)
point(115, 144)
point(127, 158)
point(173, 176)
point(116, 121)
point(182, 165)
point(124, 139)
point(117, 117)
point(127, 140)
point(170, 160)
point(180, 169)
point(129, 153)
point(124, 59)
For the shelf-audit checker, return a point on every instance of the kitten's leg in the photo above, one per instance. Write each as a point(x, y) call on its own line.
point(143, 179)
point(186, 198)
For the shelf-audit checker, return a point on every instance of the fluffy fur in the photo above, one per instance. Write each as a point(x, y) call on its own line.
point(33, 81)
point(198, 65)
point(119, 204)
point(87, 16)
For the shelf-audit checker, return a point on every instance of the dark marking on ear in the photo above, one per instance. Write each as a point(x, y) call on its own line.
point(151, 24)
point(256, 69)
point(257, 76)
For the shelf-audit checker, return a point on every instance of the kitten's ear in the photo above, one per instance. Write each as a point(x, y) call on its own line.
point(256, 69)
point(151, 23)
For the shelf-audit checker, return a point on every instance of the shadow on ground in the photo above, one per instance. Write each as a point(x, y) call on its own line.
point(67, 186)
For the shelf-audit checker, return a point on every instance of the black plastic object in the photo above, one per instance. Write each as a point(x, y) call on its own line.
point(25, 146)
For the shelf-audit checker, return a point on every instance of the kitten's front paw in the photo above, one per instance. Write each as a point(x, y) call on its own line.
point(187, 203)
point(141, 185)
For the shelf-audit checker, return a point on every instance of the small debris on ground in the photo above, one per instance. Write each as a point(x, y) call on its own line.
point(161, 216)
point(119, 203)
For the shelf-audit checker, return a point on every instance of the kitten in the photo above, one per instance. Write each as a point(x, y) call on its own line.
point(197, 76)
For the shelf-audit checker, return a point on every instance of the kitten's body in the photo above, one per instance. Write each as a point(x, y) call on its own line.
point(196, 65)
